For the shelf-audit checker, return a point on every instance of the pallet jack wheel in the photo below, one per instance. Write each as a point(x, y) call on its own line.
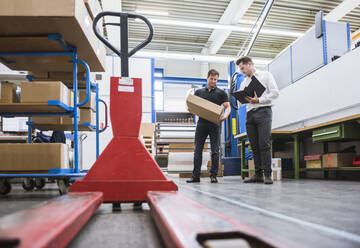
point(28, 184)
point(5, 187)
point(40, 183)
point(116, 207)
point(137, 205)
point(63, 185)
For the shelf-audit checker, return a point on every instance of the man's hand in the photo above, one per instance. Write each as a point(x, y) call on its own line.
point(252, 100)
point(223, 117)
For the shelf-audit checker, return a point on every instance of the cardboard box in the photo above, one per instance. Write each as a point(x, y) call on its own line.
point(92, 99)
point(42, 92)
point(220, 169)
point(275, 167)
point(47, 120)
point(69, 120)
point(54, 120)
point(204, 108)
point(33, 157)
point(7, 92)
point(334, 160)
point(276, 163)
point(276, 174)
point(147, 129)
point(251, 166)
point(87, 116)
point(313, 161)
point(65, 77)
point(69, 18)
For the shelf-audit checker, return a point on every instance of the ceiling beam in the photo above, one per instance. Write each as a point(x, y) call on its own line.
point(232, 15)
point(342, 10)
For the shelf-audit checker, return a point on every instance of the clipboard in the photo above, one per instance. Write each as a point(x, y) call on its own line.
point(254, 86)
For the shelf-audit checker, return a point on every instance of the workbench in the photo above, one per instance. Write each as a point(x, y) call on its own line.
point(346, 128)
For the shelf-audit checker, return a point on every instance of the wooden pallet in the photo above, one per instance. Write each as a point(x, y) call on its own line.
point(148, 142)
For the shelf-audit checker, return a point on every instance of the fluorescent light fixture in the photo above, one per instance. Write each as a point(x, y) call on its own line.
point(209, 25)
point(152, 12)
point(246, 22)
point(196, 57)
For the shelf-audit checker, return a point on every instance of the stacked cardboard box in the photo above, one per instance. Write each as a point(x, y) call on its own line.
point(88, 111)
point(91, 104)
point(87, 116)
point(68, 18)
point(313, 161)
point(275, 167)
point(220, 170)
point(7, 92)
point(251, 167)
point(33, 157)
point(146, 135)
point(66, 77)
point(335, 160)
point(42, 92)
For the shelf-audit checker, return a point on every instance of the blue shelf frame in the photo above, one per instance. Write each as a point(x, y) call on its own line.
point(72, 53)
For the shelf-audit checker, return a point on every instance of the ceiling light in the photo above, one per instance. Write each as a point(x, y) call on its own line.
point(196, 57)
point(209, 25)
point(246, 22)
point(152, 12)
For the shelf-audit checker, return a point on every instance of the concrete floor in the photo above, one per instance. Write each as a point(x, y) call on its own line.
point(304, 213)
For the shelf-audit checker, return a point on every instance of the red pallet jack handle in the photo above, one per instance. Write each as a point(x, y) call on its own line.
point(125, 171)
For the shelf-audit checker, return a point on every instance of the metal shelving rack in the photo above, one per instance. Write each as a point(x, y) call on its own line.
point(56, 108)
point(161, 141)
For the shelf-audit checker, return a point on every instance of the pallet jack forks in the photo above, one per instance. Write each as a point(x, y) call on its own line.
point(126, 173)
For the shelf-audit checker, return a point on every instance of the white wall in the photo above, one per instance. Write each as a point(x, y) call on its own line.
point(188, 69)
point(174, 97)
point(138, 68)
point(330, 93)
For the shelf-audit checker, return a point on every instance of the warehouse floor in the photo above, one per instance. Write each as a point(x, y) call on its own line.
point(304, 213)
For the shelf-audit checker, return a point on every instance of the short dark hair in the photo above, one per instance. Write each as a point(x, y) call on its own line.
point(213, 72)
point(244, 60)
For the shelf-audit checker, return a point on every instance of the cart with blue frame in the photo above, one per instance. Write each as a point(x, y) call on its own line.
point(63, 177)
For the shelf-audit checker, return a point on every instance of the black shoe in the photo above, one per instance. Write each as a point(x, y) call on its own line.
point(268, 180)
point(193, 180)
point(254, 179)
point(213, 180)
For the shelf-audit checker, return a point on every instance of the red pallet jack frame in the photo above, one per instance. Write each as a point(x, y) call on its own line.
point(124, 172)
point(51, 224)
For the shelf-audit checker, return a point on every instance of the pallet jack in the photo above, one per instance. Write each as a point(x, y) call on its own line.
point(126, 173)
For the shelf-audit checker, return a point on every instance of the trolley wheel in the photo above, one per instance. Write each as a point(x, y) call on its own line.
point(63, 186)
point(39, 183)
point(28, 184)
point(5, 187)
